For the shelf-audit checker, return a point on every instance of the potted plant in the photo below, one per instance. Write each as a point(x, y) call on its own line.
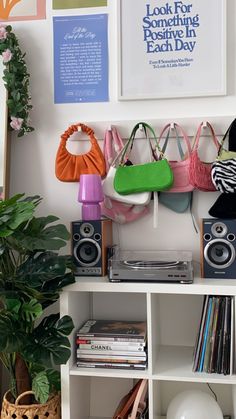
point(32, 274)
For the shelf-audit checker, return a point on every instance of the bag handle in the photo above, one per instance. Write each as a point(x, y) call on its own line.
point(128, 401)
point(112, 141)
point(139, 402)
point(198, 135)
point(232, 136)
point(77, 127)
point(184, 135)
point(129, 145)
point(231, 132)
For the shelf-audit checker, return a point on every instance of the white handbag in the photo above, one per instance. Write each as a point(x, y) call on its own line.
point(136, 198)
point(142, 198)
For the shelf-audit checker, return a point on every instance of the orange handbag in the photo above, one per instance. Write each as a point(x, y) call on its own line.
point(69, 167)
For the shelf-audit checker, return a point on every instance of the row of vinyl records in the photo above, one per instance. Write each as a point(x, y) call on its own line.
point(213, 351)
point(112, 344)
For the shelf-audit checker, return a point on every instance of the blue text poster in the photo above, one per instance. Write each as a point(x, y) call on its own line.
point(80, 59)
point(172, 48)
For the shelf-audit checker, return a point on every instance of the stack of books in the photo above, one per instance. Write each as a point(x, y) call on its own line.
point(112, 344)
point(213, 349)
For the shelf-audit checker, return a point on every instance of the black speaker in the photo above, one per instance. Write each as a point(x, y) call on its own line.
point(218, 244)
point(90, 241)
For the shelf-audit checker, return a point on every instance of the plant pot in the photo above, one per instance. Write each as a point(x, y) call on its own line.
point(49, 410)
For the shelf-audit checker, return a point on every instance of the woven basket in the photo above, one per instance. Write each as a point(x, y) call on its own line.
point(49, 410)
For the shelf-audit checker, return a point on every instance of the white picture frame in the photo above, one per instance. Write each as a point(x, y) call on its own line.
point(189, 60)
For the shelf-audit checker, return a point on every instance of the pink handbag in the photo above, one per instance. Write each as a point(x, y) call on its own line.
point(118, 211)
point(180, 168)
point(199, 171)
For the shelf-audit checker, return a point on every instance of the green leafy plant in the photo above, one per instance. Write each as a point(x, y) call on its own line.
point(16, 80)
point(32, 274)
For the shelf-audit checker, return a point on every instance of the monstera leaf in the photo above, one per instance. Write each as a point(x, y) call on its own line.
point(11, 332)
point(40, 268)
point(48, 343)
point(43, 275)
point(15, 211)
point(37, 236)
point(41, 387)
point(45, 381)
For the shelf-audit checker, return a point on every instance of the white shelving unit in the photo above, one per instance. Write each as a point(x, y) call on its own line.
point(172, 312)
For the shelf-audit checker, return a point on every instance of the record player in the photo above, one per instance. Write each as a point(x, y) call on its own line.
point(150, 266)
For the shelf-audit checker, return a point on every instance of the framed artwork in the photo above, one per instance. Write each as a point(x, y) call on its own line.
point(12, 10)
point(72, 4)
point(169, 49)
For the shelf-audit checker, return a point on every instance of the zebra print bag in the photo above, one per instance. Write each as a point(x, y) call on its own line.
point(223, 172)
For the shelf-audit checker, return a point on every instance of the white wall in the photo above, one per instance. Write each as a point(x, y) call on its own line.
point(33, 157)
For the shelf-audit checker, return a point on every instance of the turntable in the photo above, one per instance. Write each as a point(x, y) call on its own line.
point(151, 266)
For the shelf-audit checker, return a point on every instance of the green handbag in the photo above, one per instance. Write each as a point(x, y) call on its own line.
point(153, 176)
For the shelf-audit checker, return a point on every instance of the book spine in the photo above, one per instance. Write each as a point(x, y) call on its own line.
point(205, 334)
point(118, 356)
point(200, 334)
point(209, 335)
point(110, 365)
point(220, 342)
point(217, 336)
point(94, 344)
point(110, 360)
point(113, 353)
point(213, 335)
point(111, 338)
point(226, 338)
point(232, 338)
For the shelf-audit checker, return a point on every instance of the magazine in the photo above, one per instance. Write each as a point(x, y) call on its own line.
point(115, 329)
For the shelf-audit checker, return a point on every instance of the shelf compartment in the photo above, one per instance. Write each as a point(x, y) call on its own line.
point(174, 363)
point(89, 396)
point(165, 391)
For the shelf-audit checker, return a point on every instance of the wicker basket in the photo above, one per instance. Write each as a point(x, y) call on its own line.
point(49, 410)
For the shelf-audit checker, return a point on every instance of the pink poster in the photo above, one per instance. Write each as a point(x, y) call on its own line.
point(12, 10)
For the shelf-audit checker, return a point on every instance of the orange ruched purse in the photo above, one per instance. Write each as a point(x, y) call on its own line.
point(69, 167)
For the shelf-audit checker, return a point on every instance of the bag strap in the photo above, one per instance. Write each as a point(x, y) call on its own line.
point(198, 135)
point(184, 135)
point(129, 145)
point(232, 136)
point(129, 400)
point(139, 402)
point(112, 142)
point(231, 132)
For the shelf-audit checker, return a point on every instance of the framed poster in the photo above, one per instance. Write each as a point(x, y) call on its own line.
point(80, 58)
point(12, 10)
point(171, 49)
point(76, 4)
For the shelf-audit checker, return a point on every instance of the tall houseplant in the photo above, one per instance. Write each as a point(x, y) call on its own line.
point(32, 274)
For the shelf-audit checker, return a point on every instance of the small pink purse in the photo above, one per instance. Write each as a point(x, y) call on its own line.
point(180, 168)
point(199, 171)
point(119, 212)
